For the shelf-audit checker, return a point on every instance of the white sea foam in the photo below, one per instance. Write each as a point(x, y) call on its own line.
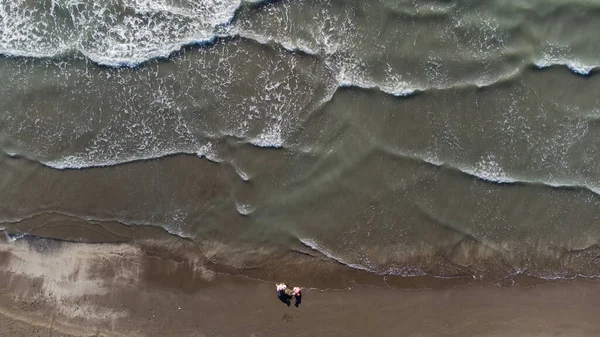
point(208, 151)
point(87, 160)
point(575, 66)
point(111, 33)
point(244, 209)
point(555, 54)
point(287, 44)
point(399, 89)
point(595, 189)
point(580, 68)
point(350, 75)
point(125, 50)
point(157, 28)
point(406, 271)
point(492, 171)
point(243, 175)
point(177, 224)
point(270, 137)
point(393, 85)
point(489, 169)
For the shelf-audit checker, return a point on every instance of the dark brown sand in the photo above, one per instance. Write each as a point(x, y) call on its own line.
point(160, 285)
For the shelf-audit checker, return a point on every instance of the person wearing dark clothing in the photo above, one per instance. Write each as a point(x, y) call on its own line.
point(297, 292)
point(285, 294)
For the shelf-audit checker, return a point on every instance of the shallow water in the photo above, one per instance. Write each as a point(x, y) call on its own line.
point(399, 137)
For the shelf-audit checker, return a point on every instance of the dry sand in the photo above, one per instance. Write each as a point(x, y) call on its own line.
point(154, 284)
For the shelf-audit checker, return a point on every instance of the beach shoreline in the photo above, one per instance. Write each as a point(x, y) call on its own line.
point(419, 168)
point(140, 288)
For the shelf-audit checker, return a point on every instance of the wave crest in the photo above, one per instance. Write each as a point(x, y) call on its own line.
point(112, 33)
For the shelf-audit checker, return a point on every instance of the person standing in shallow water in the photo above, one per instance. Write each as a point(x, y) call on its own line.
point(285, 294)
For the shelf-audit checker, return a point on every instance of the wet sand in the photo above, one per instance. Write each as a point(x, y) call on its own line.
point(155, 284)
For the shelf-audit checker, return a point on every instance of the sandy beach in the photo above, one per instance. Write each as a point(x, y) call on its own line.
point(140, 288)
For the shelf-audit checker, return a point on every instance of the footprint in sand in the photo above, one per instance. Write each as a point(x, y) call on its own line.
point(287, 318)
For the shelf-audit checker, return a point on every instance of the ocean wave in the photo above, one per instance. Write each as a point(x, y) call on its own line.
point(132, 32)
point(173, 227)
point(85, 160)
point(136, 60)
point(274, 135)
point(555, 54)
point(576, 67)
point(571, 269)
point(346, 74)
point(487, 168)
point(312, 244)
point(349, 72)
point(157, 29)
point(490, 170)
point(288, 45)
point(271, 137)
point(404, 271)
point(112, 33)
point(401, 88)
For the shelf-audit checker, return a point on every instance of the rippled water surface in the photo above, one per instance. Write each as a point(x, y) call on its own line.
point(398, 137)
